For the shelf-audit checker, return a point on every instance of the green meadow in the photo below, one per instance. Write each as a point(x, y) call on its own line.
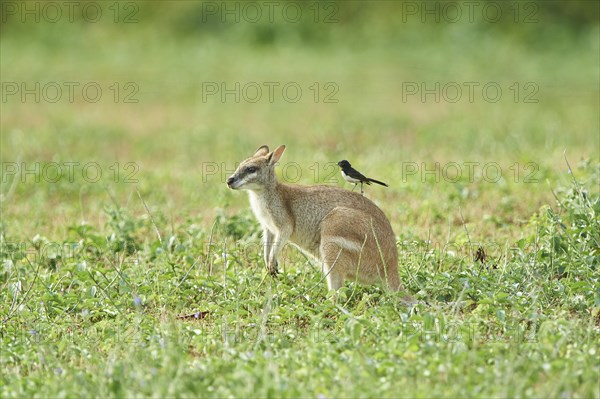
point(129, 269)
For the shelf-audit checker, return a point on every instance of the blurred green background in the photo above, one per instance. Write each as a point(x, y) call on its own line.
point(155, 122)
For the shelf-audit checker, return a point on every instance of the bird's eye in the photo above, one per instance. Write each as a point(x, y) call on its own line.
point(251, 169)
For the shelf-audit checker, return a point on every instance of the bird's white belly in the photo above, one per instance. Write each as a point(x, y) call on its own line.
point(350, 179)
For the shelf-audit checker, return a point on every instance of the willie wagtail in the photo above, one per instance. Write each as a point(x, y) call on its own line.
point(351, 175)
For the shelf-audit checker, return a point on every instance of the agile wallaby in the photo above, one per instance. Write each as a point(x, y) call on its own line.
point(346, 231)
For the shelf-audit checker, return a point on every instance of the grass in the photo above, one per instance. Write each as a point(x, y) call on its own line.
point(96, 275)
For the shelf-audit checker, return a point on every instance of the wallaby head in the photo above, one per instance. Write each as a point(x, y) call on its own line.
point(257, 172)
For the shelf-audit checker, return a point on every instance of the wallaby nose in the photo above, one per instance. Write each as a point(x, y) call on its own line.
point(230, 181)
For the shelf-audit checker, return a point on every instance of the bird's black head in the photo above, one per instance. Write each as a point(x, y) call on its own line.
point(344, 164)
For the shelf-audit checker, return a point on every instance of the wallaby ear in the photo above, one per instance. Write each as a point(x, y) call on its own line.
point(275, 155)
point(262, 151)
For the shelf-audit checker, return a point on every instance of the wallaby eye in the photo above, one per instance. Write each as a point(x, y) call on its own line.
point(251, 169)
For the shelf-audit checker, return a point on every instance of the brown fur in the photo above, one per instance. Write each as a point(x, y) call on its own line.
point(350, 235)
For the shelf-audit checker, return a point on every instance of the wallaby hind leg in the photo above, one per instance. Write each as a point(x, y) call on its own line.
point(334, 263)
point(335, 280)
point(340, 248)
point(368, 250)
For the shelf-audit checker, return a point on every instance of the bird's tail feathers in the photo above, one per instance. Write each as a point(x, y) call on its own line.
point(378, 182)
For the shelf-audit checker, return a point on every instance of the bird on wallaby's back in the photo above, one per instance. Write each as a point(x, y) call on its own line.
point(347, 232)
point(353, 176)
